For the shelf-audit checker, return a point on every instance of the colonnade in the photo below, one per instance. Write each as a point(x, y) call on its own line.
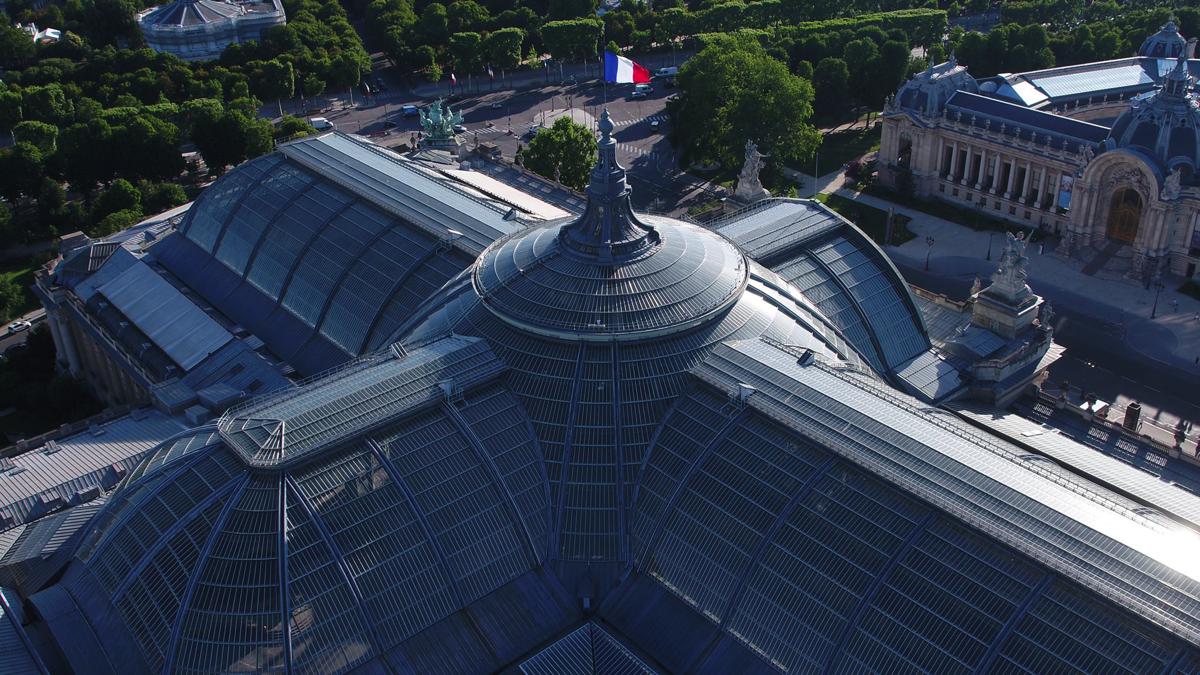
point(1019, 179)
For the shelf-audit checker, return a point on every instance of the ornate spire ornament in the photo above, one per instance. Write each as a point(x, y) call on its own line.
point(608, 231)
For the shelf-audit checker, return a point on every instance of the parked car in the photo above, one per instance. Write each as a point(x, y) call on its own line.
point(637, 93)
point(320, 123)
point(18, 326)
point(668, 71)
point(496, 105)
point(460, 129)
point(409, 111)
point(643, 87)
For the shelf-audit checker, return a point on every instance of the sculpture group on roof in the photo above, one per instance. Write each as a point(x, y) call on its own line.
point(438, 125)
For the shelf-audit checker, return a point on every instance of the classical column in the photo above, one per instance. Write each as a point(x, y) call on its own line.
point(982, 175)
point(1025, 182)
point(1041, 193)
point(968, 162)
point(940, 160)
point(67, 345)
point(997, 169)
point(953, 161)
point(1012, 178)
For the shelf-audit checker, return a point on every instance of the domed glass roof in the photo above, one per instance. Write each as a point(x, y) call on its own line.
point(710, 468)
point(1164, 124)
point(610, 274)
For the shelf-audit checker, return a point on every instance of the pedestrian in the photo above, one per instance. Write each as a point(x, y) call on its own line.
point(1041, 248)
point(1174, 305)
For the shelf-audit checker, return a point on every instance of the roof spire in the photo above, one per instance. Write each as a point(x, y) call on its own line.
point(1179, 80)
point(608, 231)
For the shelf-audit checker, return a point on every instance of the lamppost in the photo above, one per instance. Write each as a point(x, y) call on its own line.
point(928, 250)
point(1158, 286)
point(991, 235)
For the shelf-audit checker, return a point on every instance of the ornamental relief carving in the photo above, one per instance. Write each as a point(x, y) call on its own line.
point(1128, 176)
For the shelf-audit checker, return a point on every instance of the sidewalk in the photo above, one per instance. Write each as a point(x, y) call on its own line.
point(1172, 338)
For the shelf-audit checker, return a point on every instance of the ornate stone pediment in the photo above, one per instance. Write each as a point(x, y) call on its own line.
point(1128, 176)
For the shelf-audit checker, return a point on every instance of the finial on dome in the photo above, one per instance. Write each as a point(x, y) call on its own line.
point(608, 231)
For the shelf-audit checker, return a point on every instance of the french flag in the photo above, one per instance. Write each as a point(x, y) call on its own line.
point(620, 70)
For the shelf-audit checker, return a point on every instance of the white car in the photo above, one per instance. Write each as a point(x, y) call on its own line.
point(637, 93)
point(320, 123)
point(18, 326)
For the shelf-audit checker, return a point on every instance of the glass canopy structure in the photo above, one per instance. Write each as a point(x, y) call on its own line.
point(618, 443)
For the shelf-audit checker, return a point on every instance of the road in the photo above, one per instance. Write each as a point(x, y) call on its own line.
point(1097, 357)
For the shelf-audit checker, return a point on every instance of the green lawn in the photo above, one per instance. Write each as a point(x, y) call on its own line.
point(869, 219)
point(841, 148)
point(20, 272)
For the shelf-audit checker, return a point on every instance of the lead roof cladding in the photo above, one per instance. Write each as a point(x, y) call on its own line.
point(723, 498)
point(323, 248)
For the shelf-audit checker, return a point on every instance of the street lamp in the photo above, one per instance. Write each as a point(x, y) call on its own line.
point(928, 250)
point(1158, 286)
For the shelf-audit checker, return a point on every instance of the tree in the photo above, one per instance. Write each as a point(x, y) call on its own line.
point(231, 138)
point(39, 134)
point(831, 78)
point(85, 154)
point(576, 39)
point(292, 127)
point(565, 152)
point(46, 104)
point(861, 57)
point(21, 169)
point(115, 222)
point(274, 79)
point(503, 47)
point(433, 26)
point(10, 109)
point(121, 195)
point(731, 92)
point(16, 49)
point(158, 197)
point(465, 52)
point(572, 9)
point(464, 16)
point(12, 297)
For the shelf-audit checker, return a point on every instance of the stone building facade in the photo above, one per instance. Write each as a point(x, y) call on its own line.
point(1103, 155)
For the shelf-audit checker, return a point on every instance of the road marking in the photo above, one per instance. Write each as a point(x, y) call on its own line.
point(652, 118)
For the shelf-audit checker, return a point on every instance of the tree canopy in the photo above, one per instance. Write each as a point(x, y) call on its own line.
point(733, 92)
point(566, 152)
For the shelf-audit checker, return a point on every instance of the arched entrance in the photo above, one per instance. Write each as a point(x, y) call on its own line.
point(1124, 215)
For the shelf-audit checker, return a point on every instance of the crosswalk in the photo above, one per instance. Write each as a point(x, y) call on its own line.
point(652, 118)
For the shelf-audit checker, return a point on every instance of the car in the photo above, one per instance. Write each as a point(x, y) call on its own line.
point(533, 130)
point(496, 105)
point(643, 87)
point(389, 125)
point(320, 123)
point(655, 125)
point(459, 129)
point(668, 71)
point(409, 111)
point(18, 326)
point(637, 93)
